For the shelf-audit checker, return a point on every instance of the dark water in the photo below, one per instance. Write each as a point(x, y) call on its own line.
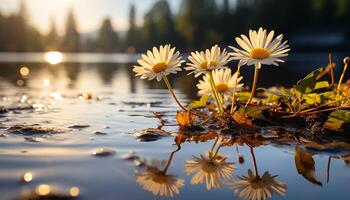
point(59, 116)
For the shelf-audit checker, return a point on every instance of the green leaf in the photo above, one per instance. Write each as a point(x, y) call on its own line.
point(321, 85)
point(337, 120)
point(201, 103)
point(242, 96)
point(307, 84)
point(255, 112)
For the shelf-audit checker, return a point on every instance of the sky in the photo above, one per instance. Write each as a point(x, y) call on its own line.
point(89, 13)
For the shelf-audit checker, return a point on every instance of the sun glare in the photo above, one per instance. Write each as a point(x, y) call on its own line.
point(53, 57)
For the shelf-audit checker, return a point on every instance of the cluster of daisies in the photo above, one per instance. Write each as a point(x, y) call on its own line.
point(218, 81)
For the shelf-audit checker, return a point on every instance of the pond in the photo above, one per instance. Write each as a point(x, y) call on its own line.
point(71, 130)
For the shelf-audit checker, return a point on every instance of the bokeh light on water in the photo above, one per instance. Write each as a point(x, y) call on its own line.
point(54, 57)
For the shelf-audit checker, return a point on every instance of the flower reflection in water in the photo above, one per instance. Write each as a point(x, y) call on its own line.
point(210, 169)
point(256, 187)
point(158, 181)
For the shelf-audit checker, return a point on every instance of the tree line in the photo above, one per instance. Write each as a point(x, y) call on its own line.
point(198, 24)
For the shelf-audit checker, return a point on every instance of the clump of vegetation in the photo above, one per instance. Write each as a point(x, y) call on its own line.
point(313, 102)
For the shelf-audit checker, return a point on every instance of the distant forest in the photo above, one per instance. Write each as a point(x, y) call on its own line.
point(198, 24)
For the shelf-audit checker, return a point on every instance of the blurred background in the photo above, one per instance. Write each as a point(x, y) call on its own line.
point(90, 45)
point(137, 25)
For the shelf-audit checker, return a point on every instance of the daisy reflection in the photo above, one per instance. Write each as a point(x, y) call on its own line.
point(256, 187)
point(158, 181)
point(210, 169)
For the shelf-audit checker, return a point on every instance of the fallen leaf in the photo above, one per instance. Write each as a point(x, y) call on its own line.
point(305, 165)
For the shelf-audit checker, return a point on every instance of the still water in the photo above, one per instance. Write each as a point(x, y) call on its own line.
point(70, 130)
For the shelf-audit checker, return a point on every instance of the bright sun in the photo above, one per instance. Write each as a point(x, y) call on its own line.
point(53, 57)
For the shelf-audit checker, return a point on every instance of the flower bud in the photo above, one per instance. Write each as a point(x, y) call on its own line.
point(346, 60)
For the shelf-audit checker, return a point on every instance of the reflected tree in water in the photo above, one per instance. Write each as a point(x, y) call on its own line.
point(158, 181)
point(210, 168)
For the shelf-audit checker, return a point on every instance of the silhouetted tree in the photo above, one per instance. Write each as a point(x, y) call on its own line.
point(107, 39)
point(159, 25)
point(196, 21)
point(132, 36)
point(71, 38)
point(52, 38)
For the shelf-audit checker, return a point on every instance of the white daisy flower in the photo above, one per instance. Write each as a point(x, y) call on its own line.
point(158, 63)
point(260, 49)
point(225, 83)
point(203, 62)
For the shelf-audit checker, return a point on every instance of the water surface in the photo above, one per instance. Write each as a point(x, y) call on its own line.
point(77, 108)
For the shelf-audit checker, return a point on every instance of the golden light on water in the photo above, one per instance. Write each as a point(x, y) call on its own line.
point(24, 71)
point(74, 191)
point(46, 82)
point(43, 190)
point(20, 82)
point(53, 57)
point(27, 177)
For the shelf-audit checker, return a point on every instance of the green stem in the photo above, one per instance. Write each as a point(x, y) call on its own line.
point(234, 91)
point(341, 79)
point(216, 95)
point(167, 83)
point(256, 74)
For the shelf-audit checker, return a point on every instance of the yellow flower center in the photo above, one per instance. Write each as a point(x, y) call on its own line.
point(222, 87)
point(205, 64)
point(159, 67)
point(259, 53)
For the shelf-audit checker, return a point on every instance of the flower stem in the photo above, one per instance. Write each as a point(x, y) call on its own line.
point(167, 83)
point(215, 92)
point(328, 168)
point(331, 67)
point(234, 91)
point(341, 79)
point(212, 148)
point(170, 159)
point(256, 74)
point(254, 160)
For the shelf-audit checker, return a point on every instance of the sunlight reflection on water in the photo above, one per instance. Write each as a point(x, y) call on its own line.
point(81, 99)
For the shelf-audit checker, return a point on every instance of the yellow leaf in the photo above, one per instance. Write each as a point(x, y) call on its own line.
point(201, 103)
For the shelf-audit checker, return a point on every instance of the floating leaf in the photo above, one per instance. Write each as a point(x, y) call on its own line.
point(201, 103)
point(150, 134)
point(241, 119)
point(337, 120)
point(305, 165)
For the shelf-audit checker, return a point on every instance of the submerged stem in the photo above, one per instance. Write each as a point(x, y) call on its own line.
point(256, 74)
point(234, 91)
point(167, 83)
